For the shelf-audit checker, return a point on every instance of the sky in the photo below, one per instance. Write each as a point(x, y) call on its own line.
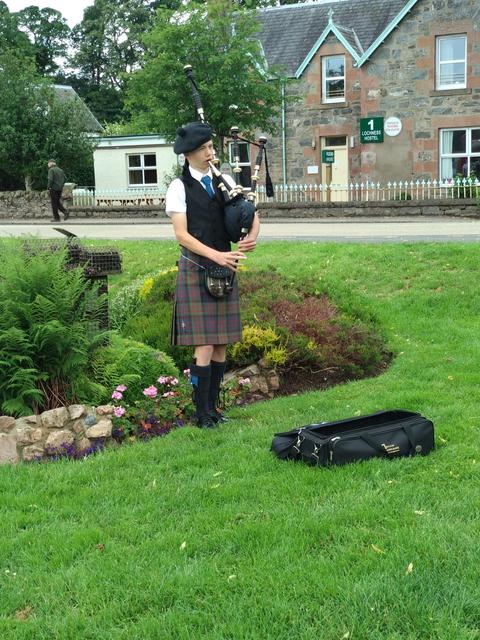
point(71, 10)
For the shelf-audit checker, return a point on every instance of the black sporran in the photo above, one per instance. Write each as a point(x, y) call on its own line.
point(219, 280)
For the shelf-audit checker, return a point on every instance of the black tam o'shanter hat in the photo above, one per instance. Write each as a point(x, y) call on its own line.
point(191, 136)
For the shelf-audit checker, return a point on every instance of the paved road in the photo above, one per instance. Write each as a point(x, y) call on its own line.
point(440, 229)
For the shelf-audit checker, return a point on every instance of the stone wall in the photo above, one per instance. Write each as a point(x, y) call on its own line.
point(22, 205)
point(80, 429)
point(38, 436)
point(467, 208)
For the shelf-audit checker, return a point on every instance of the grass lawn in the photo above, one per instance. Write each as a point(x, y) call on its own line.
point(204, 534)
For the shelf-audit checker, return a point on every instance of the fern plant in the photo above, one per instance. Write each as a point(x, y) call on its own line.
point(48, 331)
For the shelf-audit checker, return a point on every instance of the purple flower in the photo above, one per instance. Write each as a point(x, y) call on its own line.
point(116, 395)
point(119, 411)
point(150, 392)
point(121, 387)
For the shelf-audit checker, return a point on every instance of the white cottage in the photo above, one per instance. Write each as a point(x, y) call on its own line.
point(132, 169)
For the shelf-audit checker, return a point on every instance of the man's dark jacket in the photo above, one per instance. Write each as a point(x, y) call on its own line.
point(56, 178)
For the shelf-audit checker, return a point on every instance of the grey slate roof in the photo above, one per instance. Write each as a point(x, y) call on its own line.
point(66, 92)
point(289, 32)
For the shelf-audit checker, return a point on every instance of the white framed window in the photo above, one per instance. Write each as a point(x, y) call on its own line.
point(245, 176)
point(333, 79)
point(459, 153)
point(142, 170)
point(451, 65)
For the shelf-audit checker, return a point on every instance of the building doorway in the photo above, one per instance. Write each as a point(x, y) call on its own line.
point(337, 173)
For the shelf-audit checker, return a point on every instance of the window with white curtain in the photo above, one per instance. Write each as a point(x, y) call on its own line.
point(459, 153)
point(451, 67)
point(333, 79)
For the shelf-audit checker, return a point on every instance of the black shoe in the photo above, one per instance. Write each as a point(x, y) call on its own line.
point(66, 216)
point(218, 417)
point(54, 219)
point(205, 422)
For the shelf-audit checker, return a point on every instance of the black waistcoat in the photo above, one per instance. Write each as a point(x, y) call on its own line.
point(205, 214)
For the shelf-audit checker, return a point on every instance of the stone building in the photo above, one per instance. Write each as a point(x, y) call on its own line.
point(391, 87)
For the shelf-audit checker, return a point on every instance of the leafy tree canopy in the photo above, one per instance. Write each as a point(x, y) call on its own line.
point(49, 33)
point(219, 41)
point(36, 125)
point(10, 35)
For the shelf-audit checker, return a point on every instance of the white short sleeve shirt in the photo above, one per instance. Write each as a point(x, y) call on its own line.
point(175, 199)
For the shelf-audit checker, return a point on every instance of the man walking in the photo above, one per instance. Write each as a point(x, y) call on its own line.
point(56, 180)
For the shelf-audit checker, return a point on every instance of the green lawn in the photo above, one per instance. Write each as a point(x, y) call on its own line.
point(204, 534)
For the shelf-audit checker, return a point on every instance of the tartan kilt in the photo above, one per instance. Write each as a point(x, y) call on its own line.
point(199, 318)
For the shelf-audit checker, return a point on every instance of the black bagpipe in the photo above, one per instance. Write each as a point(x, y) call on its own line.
point(239, 210)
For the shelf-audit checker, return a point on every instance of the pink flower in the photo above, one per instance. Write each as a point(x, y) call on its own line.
point(243, 381)
point(150, 392)
point(168, 394)
point(119, 411)
point(173, 381)
point(116, 395)
point(121, 387)
point(162, 380)
point(186, 373)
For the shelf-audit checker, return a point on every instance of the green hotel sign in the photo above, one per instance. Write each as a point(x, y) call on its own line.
point(371, 130)
point(328, 156)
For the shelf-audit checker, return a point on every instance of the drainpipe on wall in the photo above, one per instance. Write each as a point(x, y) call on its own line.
point(284, 139)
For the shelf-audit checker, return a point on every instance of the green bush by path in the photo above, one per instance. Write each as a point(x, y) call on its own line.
point(205, 535)
point(48, 330)
point(125, 361)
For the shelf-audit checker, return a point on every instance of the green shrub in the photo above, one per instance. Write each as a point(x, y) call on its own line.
point(48, 330)
point(152, 322)
point(258, 343)
point(125, 361)
point(284, 324)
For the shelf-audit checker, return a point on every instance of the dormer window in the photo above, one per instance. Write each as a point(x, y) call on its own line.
point(333, 79)
point(451, 72)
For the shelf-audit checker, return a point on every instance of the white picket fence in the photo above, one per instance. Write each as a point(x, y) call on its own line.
point(373, 191)
point(91, 197)
point(367, 191)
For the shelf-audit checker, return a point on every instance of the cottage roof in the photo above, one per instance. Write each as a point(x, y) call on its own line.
point(291, 34)
point(65, 92)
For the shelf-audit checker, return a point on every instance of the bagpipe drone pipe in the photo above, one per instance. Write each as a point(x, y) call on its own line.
point(239, 209)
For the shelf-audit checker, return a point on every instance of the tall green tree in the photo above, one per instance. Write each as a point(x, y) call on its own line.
point(220, 42)
point(49, 33)
point(108, 44)
point(36, 125)
point(11, 37)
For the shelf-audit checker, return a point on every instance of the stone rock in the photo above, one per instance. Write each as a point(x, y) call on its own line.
point(105, 410)
point(84, 444)
point(24, 434)
point(273, 381)
point(76, 411)
point(33, 452)
point(8, 449)
point(249, 372)
point(55, 418)
point(37, 435)
point(58, 438)
point(30, 419)
point(259, 385)
point(6, 424)
point(103, 429)
point(79, 426)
